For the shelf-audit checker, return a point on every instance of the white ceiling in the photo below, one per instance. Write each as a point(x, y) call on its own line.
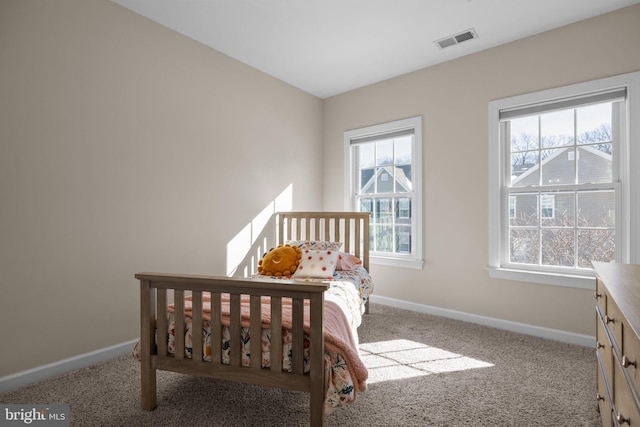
point(326, 47)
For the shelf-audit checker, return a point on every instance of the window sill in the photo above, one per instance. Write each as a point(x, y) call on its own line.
point(553, 279)
point(397, 262)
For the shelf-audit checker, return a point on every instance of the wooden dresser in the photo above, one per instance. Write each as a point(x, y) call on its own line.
point(618, 343)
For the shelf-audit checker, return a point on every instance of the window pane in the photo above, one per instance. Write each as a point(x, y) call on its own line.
point(366, 205)
point(563, 206)
point(556, 129)
point(384, 213)
point(403, 179)
point(594, 163)
point(524, 170)
point(384, 238)
point(403, 239)
point(365, 155)
point(384, 180)
point(526, 210)
point(558, 247)
point(524, 246)
point(403, 150)
point(524, 134)
point(594, 123)
point(367, 183)
point(595, 245)
point(384, 152)
point(596, 209)
point(403, 210)
point(558, 167)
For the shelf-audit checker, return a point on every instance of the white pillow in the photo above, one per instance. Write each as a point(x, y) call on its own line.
point(316, 263)
point(315, 244)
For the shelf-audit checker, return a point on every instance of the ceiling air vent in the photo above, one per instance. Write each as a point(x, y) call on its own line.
point(456, 38)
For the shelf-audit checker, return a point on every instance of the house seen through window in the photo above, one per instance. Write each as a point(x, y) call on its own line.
point(562, 186)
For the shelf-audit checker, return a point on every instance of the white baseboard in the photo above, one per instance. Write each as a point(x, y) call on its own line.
point(523, 328)
point(21, 379)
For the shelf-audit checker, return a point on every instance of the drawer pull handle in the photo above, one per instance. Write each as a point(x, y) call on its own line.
point(598, 345)
point(626, 362)
point(622, 420)
point(599, 397)
point(596, 295)
point(608, 319)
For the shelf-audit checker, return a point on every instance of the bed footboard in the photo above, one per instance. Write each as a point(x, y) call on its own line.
point(156, 290)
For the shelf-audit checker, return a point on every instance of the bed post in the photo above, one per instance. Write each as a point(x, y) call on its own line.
point(318, 378)
point(147, 341)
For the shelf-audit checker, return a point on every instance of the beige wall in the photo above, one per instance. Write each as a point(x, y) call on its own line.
point(125, 147)
point(452, 98)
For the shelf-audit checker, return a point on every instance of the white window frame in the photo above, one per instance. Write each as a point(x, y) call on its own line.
point(415, 260)
point(627, 205)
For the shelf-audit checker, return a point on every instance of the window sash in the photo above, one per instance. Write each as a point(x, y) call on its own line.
point(546, 206)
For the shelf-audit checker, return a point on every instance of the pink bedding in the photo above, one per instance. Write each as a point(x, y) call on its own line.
point(344, 368)
point(338, 336)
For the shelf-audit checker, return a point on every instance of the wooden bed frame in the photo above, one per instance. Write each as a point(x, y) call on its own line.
point(351, 228)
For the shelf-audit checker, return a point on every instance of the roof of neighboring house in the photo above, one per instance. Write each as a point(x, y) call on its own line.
point(523, 171)
point(396, 172)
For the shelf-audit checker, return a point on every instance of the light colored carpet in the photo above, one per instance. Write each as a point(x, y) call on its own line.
point(447, 373)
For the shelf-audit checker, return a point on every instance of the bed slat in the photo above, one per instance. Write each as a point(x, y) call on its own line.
point(196, 327)
point(297, 346)
point(216, 328)
point(179, 324)
point(318, 381)
point(276, 334)
point(234, 332)
point(347, 233)
point(255, 332)
point(163, 327)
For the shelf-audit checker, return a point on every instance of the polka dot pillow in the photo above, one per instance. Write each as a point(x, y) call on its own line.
point(317, 263)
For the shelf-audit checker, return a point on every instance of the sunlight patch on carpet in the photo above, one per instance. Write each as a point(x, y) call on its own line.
point(400, 359)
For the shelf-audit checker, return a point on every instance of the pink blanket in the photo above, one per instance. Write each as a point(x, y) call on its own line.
point(338, 336)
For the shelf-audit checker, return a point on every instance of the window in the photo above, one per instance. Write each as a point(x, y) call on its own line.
point(561, 190)
point(512, 207)
point(547, 205)
point(384, 170)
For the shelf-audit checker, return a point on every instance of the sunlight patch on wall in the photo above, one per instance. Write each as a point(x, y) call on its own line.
point(251, 240)
point(400, 359)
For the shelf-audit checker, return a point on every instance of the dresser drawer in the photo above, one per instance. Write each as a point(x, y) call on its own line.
point(603, 346)
point(603, 396)
point(601, 296)
point(613, 321)
point(625, 410)
point(630, 357)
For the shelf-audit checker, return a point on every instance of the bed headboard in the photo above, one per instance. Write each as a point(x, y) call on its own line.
point(350, 228)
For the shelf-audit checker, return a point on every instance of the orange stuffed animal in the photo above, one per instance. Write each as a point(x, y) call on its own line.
point(281, 261)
